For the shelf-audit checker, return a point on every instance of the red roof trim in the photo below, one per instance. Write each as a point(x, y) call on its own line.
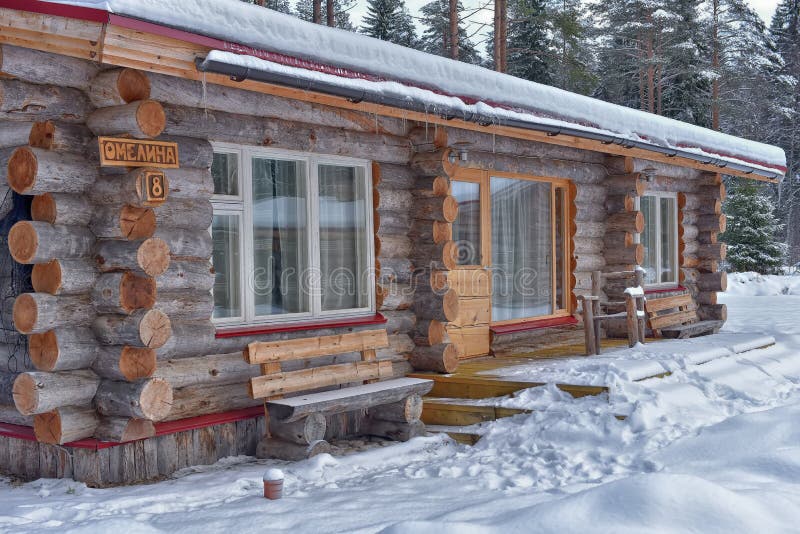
point(299, 326)
point(97, 15)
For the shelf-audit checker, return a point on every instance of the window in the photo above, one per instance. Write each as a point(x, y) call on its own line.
point(660, 238)
point(292, 236)
point(521, 232)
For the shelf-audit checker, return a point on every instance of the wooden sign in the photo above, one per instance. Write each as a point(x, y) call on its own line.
point(152, 187)
point(121, 152)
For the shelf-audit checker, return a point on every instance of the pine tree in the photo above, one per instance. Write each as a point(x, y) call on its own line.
point(571, 59)
point(390, 20)
point(436, 37)
point(751, 230)
point(528, 41)
point(341, 8)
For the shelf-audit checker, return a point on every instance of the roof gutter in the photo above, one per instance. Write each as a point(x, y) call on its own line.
point(240, 74)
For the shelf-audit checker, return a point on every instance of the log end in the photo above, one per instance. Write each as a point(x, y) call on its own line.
point(47, 277)
point(24, 392)
point(450, 255)
point(153, 256)
point(155, 329)
point(442, 232)
point(137, 223)
point(449, 208)
point(22, 170)
point(23, 242)
point(137, 292)
point(42, 135)
point(136, 363)
point(43, 350)
point(43, 208)
point(151, 118)
point(133, 85)
point(47, 427)
point(25, 313)
point(441, 186)
point(155, 400)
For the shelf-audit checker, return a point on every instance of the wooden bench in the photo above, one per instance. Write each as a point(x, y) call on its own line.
point(676, 317)
point(296, 426)
point(625, 305)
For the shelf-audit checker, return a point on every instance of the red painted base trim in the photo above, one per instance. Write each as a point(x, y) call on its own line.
point(296, 327)
point(162, 429)
point(533, 325)
point(664, 290)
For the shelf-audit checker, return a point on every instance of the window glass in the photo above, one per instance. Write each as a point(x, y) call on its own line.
point(226, 258)
point(649, 238)
point(225, 171)
point(669, 254)
point(467, 226)
point(280, 237)
point(559, 221)
point(522, 248)
point(343, 240)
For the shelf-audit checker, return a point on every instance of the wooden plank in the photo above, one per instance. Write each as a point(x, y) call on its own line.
point(347, 399)
point(70, 37)
point(692, 330)
point(666, 303)
point(672, 319)
point(318, 377)
point(471, 341)
point(443, 413)
point(299, 349)
point(465, 282)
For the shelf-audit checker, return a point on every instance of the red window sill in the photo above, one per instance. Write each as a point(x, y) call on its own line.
point(299, 326)
point(664, 290)
point(533, 325)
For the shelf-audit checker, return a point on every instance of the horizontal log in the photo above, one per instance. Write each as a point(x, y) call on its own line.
point(130, 188)
point(399, 322)
point(20, 101)
point(125, 363)
point(395, 270)
point(212, 369)
point(442, 358)
point(626, 184)
point(116, 87)
point(716, 192)
point(64, 277)
point(700, 203)
point(444, 209)
point(288, 451)
point(431, 186)
point(142, 119)
point(183, 213)
point(706, 297)
point(186, 305)
point(123, 292)
point(65, 424)
point(309, 379)
point(436, 163)
point(394, 176)
point(610, 240)
point(621, 255)
point(40, 242)
point(618, 203)
point(187, 244)
point(394, 430)
point(63, 349)
point(143, 328)
point(6, 385)
point(124, 429)
point(304, 431)
point(62, 209)
point(206, 399)
point(712, 223)
point(429, 304)
point(9, 414)
point(398, 200)
point(395, 247)
point(36, 313)
point(713, 251)
point(429, 332)
point(713, 312)
point(188, 339)
point(712, 281)
point(34, 171)
point(14, 134)
point(461, 311)
point(39, 67)
point(464, 282)
point(407, 410)
point(424, 231)
point(123, 222)
point(628, 221)
point(392, 222)
point(60, 136)
point(187, 275)
point(38, 392)
point(148, 399)
point(396, 297)
point(443, 256)
point(150, 257)
point(189, 183)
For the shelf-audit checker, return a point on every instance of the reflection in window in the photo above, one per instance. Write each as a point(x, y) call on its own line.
point(660, 239)
point(226, 259)
point(467, 226)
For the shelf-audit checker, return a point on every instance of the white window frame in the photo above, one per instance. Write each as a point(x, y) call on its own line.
point(242, 204)
point(659, 195)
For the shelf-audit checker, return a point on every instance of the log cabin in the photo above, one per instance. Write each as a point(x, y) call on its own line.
point(208, 204)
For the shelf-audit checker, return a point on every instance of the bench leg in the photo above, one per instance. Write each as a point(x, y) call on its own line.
point(407, 410)
point(588, 328)
point(632, 321)
point(395, 430)
point(286, 450)
point(303, 431)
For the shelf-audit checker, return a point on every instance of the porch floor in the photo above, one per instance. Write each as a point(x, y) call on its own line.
point(461, 401)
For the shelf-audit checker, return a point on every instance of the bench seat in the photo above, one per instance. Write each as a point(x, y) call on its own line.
point(684, 331)
point(347, 399)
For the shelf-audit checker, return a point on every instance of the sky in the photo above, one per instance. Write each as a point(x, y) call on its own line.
point(765, 8)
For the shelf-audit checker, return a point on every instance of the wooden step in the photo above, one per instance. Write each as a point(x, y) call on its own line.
point(460, 434)
point(435, 412)
point(471, 387)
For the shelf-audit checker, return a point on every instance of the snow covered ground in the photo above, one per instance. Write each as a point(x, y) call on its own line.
point(711, 448)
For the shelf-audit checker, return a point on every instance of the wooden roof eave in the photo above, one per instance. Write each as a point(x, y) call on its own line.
point(141, 45)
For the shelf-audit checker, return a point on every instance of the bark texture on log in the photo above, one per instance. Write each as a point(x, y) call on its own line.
point(37, 392)
point(151, 256)
point(40, 242)
point(150, 329)
point(125, 363)
point(65, 424)
point(148, 399)
point(143, 119)
point(124, 429)
point(36, 313)
point(63, 349)
point(35, 171)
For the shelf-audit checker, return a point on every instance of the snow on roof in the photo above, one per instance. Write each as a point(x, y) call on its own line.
point(382, 66)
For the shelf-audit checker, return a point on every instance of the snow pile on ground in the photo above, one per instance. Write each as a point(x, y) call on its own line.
point(713, 447)
point(479, 90)
point(762, 285)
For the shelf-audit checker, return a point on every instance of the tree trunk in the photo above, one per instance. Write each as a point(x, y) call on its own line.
point(62, 209)
point(20, 101)
point(124, 429)
point(151, 256)
point(63, 349)
point(150, 329)
point(117, 87)
point(39, 242)
point(65, 424)
point(143, 120)
point(306, 430)
point(214, 369)
point(34, 171)
point(125, 363)
point(36, 392)
point(123, 222)
point(187, 244)
point(442, 358)
point(36, 313)
point(64, 277)
point(407, 410)
point(148, 399)
point(123, 293)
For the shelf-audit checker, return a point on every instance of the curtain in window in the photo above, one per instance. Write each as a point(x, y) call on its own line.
point(467, 226)
point(280, 237)
point(226, 260)
point(522, 248)
point(343, 245)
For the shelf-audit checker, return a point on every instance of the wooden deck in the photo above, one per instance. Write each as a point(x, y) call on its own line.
point(445, 412)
